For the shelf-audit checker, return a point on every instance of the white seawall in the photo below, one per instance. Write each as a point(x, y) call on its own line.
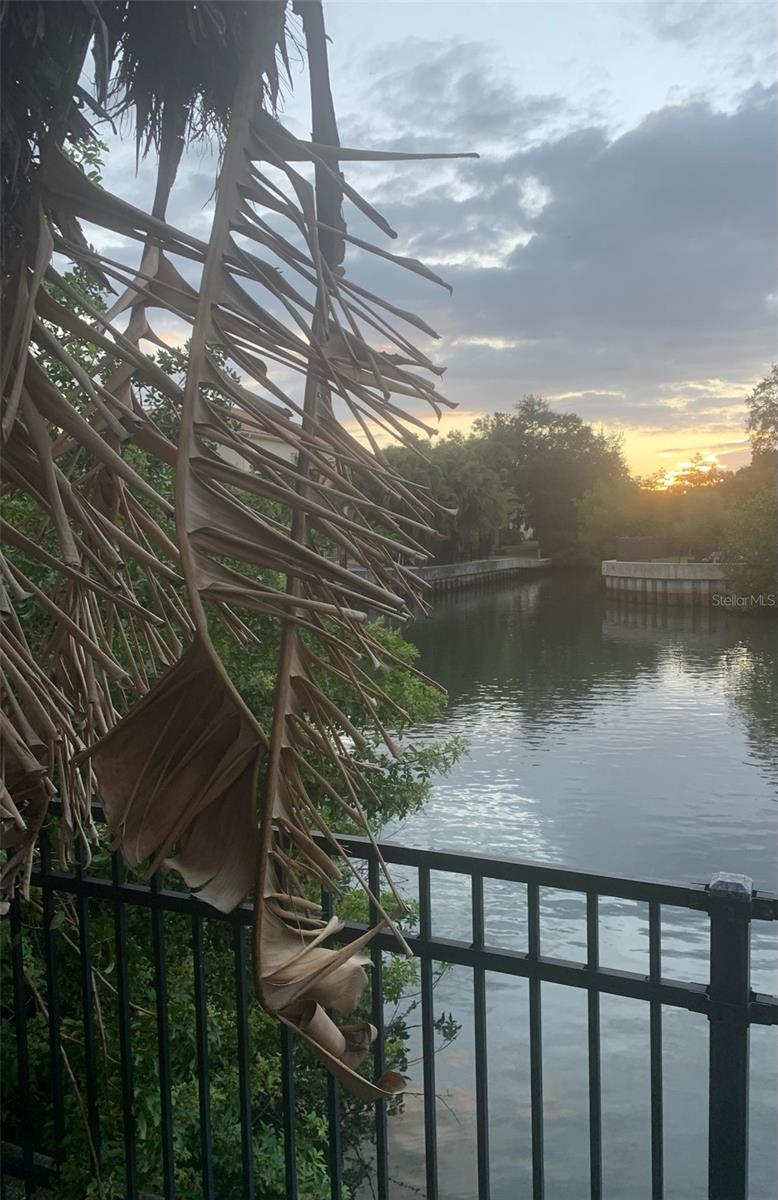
point(671, 583)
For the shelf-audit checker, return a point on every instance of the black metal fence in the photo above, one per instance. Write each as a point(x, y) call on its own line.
point(727, 1001)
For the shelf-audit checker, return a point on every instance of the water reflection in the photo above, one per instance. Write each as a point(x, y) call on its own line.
point(620, 739)
point(623, 739)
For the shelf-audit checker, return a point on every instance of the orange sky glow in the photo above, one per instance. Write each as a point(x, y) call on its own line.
point(649, 451)
point(719, 435)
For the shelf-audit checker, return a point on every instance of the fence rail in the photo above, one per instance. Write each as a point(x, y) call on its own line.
point(727, 1000)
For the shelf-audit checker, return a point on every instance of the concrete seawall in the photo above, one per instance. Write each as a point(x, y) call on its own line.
point(664, 582)
point(481, 572)
point(446, 577)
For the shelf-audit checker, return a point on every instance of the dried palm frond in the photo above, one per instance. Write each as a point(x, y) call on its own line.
point(128, 694)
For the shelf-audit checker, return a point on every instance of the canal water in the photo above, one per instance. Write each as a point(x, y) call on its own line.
point(626, 740)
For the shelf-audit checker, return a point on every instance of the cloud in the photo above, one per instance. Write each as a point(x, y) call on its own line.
point(717, 448)
point(461, 94)
point(627, 277)
point(620, 270)
point(692, 21)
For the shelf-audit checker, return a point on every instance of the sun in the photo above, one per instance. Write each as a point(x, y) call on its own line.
point(701, 470)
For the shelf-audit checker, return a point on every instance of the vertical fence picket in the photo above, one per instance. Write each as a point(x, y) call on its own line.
point(51, 961)
point(593, 1024)
point(163, 1045)
point(203, 1073)
point(535, 1043)
point(481, 1062)
point(22, 1049)
point(334, 1150)
point(125, 1039)
point(428, 1041)
point(334, 1147)
point(88, 1012)
point(655, 1035)
point(244, 1068)
point(379, 1065)
point(288, 1102)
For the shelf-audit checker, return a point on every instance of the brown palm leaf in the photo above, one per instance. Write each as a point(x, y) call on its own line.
point(178, 759)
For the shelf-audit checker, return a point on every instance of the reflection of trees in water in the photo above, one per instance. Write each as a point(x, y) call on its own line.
point(751, 682)
point(740, 649)
point(691, 632)
point(539, 643)
point(551, 646)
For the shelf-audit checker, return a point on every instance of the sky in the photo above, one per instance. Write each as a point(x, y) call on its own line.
point(612, 249)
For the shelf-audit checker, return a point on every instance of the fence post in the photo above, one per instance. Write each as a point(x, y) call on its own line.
point(729, 995)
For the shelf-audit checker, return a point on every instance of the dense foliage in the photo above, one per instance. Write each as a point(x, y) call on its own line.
point(518, 474)
point(398, 787)
point(535, 476)
point(762, 423)
point(702, 510)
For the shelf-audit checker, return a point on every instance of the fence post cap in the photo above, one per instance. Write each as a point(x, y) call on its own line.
point(731, 887)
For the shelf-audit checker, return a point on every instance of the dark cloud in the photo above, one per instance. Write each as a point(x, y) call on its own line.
point(624, 266)
point(462, 97)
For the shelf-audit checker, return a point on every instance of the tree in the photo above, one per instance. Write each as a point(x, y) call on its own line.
point(530, 467)
point(751, 521)
point(762, 422)
point(549, 460)
point(750, 525)
point(607, 510)
point(750, 532)
point(471, 499)
point(699, 472)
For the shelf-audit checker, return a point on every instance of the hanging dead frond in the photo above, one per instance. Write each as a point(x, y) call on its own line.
point(141, 566)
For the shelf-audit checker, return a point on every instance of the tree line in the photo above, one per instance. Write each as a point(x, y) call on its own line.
point(536, 477)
